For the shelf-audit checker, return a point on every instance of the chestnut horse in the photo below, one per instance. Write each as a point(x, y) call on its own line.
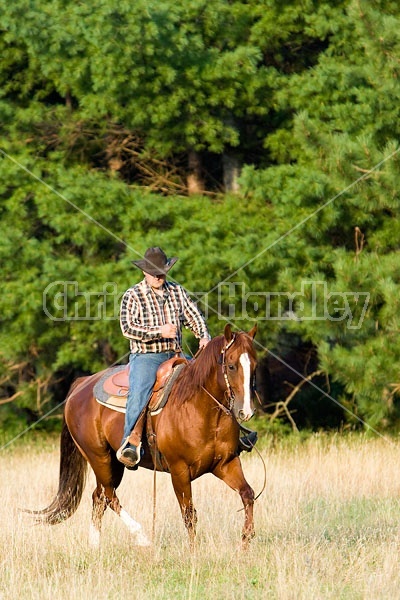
point(196, 432)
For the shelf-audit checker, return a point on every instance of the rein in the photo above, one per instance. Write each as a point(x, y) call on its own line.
point(225, 409)
point(265, 476)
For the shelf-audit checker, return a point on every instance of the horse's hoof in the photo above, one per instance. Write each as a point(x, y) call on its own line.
point(246, 539)
point(142, 540)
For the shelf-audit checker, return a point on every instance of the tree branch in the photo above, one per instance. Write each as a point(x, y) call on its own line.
point(282, 405)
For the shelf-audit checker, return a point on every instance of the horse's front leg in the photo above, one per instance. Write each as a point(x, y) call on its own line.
point(183, 491)
point(232, 474)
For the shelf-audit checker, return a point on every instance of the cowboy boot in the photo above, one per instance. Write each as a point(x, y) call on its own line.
point(248, 441)
point(129, 453)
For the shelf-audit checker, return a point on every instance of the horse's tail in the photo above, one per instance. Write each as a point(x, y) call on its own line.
point(72, 479)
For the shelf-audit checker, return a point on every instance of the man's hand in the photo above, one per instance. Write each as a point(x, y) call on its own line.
point(169, 330)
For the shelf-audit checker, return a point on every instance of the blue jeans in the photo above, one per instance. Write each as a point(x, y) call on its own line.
point(142, 376)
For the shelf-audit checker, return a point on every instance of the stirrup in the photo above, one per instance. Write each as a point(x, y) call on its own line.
point(129, 464)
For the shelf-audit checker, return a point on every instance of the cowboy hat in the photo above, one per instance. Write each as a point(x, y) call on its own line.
point(155, 262)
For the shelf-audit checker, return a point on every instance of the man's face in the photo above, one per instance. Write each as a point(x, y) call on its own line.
point(155, 281)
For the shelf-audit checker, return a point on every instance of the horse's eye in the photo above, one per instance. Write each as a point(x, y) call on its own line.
point(231, 367)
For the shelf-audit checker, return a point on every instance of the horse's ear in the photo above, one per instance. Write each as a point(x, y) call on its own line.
point(252, 332)
point(228, 332)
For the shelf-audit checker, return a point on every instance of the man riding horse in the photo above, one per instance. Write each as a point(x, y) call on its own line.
point(152, 315)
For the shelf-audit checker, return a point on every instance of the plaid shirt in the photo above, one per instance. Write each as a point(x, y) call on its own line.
point(143, 313)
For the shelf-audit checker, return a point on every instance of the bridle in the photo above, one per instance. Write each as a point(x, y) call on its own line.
point(228, 393)
point(228, 410)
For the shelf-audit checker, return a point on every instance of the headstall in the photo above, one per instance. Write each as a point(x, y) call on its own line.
point(229, 393)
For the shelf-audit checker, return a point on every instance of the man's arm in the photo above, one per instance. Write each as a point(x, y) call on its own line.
point(194, 319)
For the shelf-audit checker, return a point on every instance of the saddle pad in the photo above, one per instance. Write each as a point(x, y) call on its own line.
point(117, 403)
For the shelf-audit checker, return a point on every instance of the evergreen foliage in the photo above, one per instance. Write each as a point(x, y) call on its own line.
point(100, 105)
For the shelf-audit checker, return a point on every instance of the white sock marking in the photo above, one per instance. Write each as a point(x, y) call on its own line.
point(94, 536)
point(135, 529)
point(131, 524)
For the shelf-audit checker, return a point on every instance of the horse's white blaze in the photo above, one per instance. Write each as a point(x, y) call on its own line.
point(245, 362)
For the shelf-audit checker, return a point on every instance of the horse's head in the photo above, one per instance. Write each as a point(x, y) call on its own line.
point(239, 363)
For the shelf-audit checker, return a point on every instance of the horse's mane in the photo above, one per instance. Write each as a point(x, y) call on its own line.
point(200, 369)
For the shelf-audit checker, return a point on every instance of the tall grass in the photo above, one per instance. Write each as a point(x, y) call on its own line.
point(327, 527)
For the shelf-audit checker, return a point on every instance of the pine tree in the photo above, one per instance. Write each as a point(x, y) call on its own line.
point(335, 194)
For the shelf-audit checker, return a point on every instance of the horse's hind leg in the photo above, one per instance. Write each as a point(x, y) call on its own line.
point(108, 479)
point(99, 506)
point(103, 498)
point(232, 474)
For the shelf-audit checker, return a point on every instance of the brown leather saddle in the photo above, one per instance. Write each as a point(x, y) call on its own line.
point(112, 388)
point(117, 383)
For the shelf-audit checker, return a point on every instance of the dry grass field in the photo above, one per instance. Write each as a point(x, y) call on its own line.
point(328, 526)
